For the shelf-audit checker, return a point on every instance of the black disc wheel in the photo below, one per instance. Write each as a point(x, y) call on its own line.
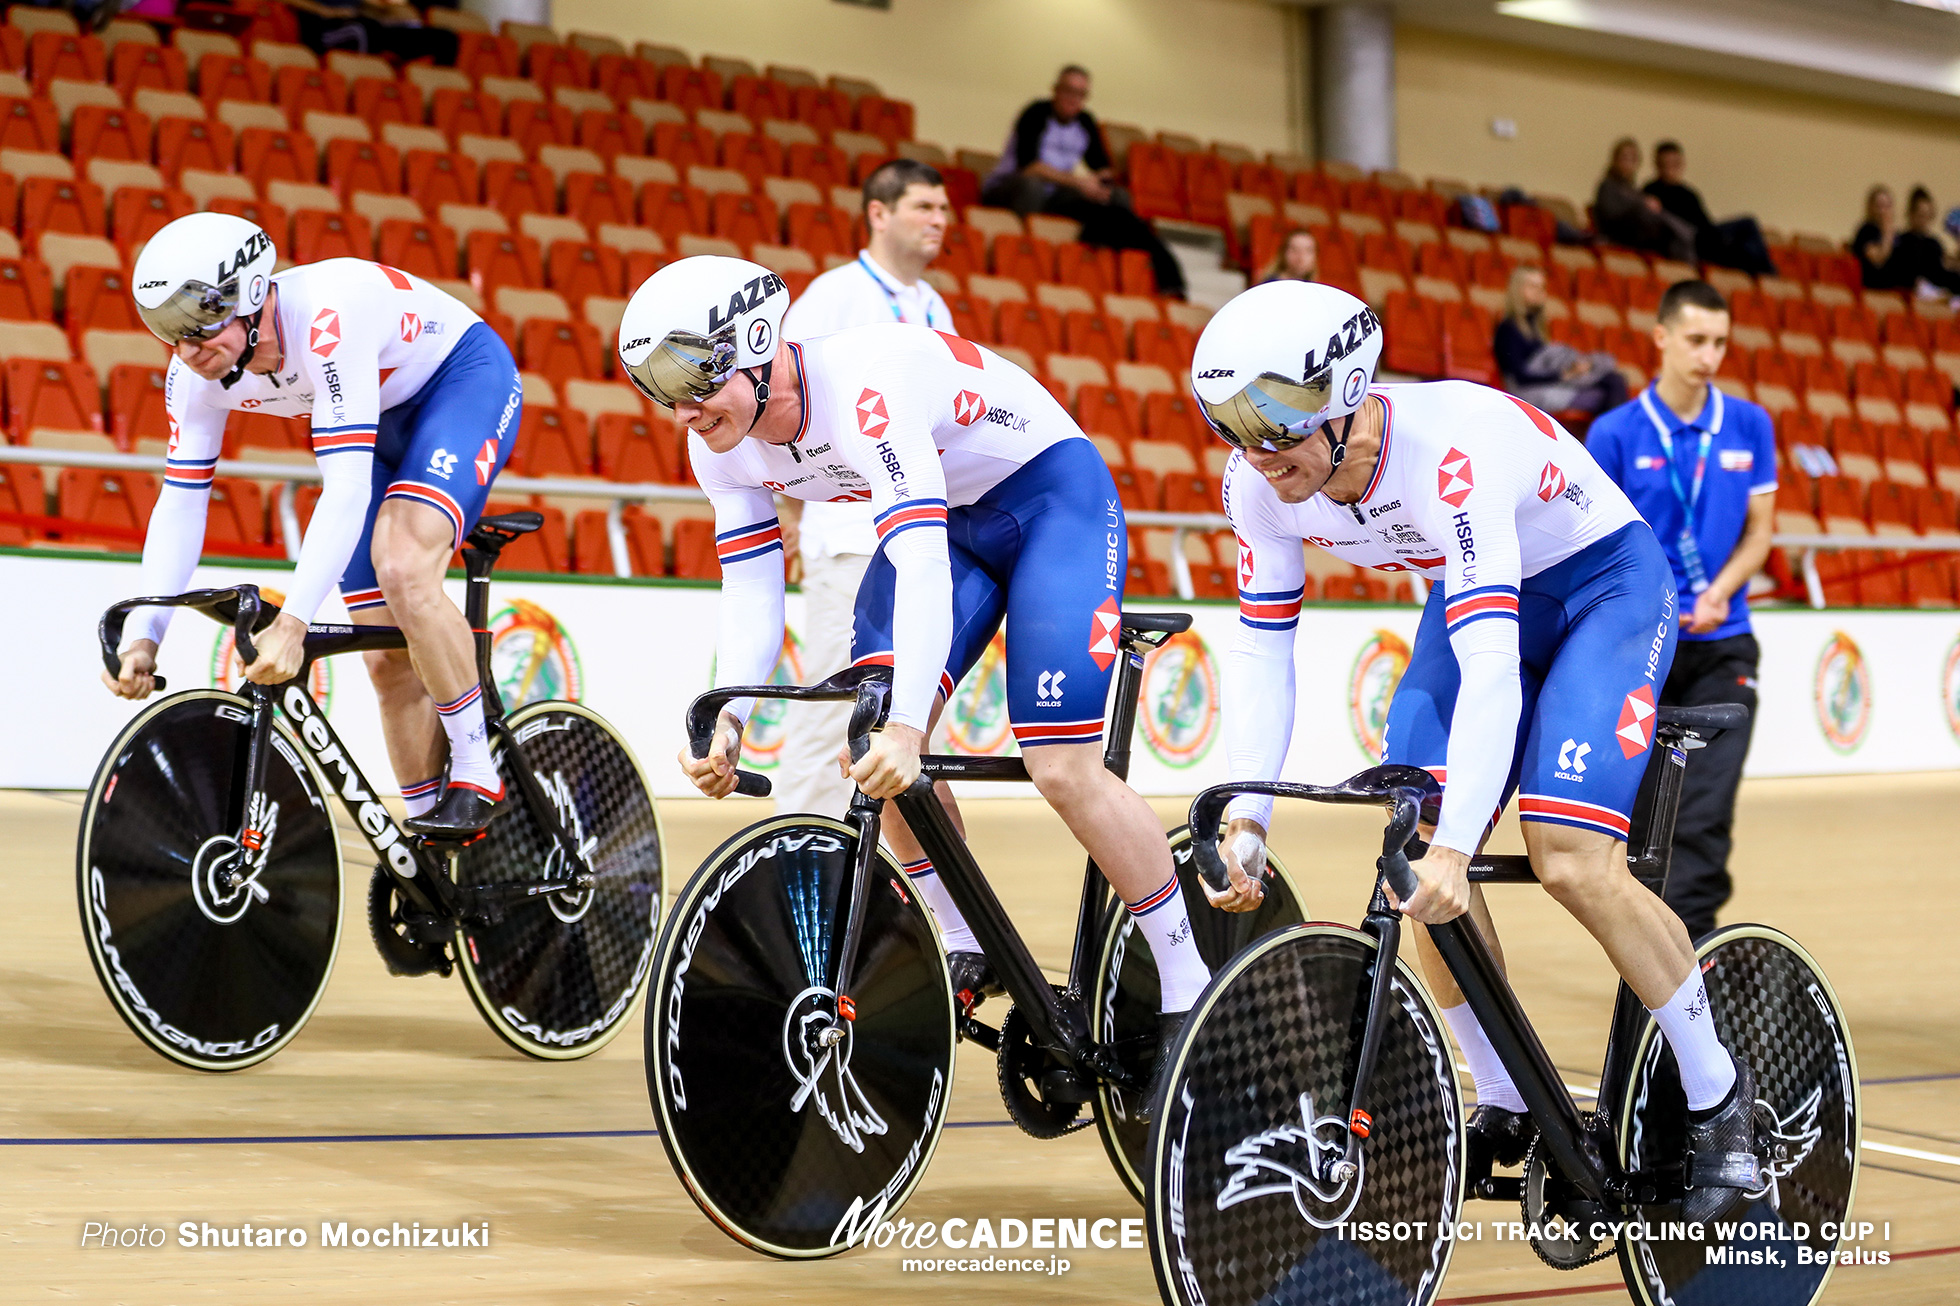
point(1774, 1009)
point(1247, 1202)
point(797, 1133)
point(557, 975)
point(1123, 1007)
point(213, 953)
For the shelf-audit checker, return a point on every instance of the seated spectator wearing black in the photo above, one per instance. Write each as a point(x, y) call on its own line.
point(1545, 373)
point(1055, 161)
point(372, 27)
point(1626, 216)
point(1298, 258)
point(1737, 243)
point(1891, 259)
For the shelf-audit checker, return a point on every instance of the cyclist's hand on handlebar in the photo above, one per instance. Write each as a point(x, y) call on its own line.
point(138, 678)
point(1443, 886)
point(1244, 850)
point(891, 763)
point(714, 775)
point(281, 648)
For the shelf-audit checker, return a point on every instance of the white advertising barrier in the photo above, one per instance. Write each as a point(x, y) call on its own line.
point(1841, 692)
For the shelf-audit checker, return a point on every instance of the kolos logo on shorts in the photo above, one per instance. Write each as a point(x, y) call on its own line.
point(326, 332)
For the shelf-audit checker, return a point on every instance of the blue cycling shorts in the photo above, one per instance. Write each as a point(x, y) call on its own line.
point(1595, 640)
point(443, 448)
point(1046, 549)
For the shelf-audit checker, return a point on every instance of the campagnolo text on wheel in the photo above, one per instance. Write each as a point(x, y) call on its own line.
point(209, 872)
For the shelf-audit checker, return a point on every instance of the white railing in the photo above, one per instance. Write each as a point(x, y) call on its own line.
point(617, 494)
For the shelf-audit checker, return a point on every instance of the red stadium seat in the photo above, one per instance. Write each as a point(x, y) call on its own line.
point(1091, 334)
point(755, 157)
point(318, 235)
point(26, 291)
point(503, 260)
point(379, 100)
point(1156, 181)
point(891, 119)
point(694, 550)
point(821, 229)
point(1206, 179)
point(759, 97)
point(44, 395)
point(107, 507)
point(75, 207)
point(137, 212)
point(1411, 337)
point(434, 179)
point(234, 516)
point(181, 143)
point(136, 408)
point(822, 165)
point(1106, 410)
point(575, 270)
point(99, 299)
point(1029, 326)
point(684, 145)
point(594, 199)
point(562, 351)
point(824, 109)
point(673, 210)
point(30, 125)
point(691, 88)
point(972, 318)
point(52, 55)
point(551, 65)
point(1135, 276)
point(1025, 258)
point(265, 213)
point(552, 441)
point(134, 66)
point(638, 449)
point(480, 55)
point(225, 77)
point(266, 155)
point(744, 219)
point(423, 249)
point(611, 134)
point(534, 123)
point(300, 90)
point(1086, 266)
point(623, 78)
point(21, 492)
point(517, 188)
point(454, 112)
point(363, 165)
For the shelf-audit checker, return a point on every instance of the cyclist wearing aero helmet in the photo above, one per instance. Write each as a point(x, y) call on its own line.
point(988, 502)
point(1549, 628)
point(414, 405)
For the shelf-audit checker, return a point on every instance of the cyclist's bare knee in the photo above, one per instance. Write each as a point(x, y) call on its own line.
point(412, 546)
point(1575, 864)
point(1067, 774)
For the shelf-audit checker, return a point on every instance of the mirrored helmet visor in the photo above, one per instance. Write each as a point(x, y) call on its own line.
point(196, 311)
point(1271, 412)
point(685, 366)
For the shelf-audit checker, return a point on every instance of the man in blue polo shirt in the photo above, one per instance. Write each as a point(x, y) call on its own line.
point(1701, 468)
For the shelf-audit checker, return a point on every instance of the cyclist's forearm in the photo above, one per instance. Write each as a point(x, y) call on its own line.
point(922, 595)
point(170, 551)
point(1258, 712)
point(1483, 735)
point(346, 484)
point(749, 624)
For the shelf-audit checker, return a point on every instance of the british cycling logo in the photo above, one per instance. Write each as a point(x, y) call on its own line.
point(1841, 692)
point(762, 742)
point(1179, 710)
point(1292, 1160)
point(1551, 482)
point(1950, 689)
point(1635, 731)
point(872, 416)
point(411, 328)
point(1377, 670)
point(1453, 479)
point(325, 334)
point(975, 722)
point(968, 408)
point(532, 657)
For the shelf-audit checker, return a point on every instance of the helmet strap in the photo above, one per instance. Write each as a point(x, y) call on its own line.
point(231, 378)
point(1337, 449)
point(761, 385)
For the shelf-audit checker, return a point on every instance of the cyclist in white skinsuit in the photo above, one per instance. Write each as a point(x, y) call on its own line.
point(413, 404)
point(1549, 629)
point(988, 502)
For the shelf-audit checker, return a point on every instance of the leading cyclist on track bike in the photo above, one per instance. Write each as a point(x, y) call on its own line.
point(1548, 631)
point(988, 501)
point(414, 404)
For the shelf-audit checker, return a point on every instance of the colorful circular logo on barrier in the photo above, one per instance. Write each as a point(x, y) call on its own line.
point(228, 670)
point(1950, 689)
point(1378, 669)
point(762, 742)
point(1177, 711)
point(975, 721)
point(531, 656)
point(1842, 691)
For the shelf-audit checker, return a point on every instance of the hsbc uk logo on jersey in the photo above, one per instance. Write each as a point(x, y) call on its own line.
point(1551, 482)
point(968, 408)
point(1635, 732)
point(325, 334)
point(411, 328)
point(1453, 479)
point(872, 415)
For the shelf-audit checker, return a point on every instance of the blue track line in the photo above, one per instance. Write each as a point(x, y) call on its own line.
point(248, 1141)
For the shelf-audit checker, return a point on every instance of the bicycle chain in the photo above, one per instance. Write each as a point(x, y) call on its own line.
point(1533, 1157)
point(1019, 1061)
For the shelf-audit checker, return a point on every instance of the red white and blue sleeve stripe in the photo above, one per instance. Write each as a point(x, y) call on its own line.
point(1058, 732)
point(746, 542)
point(190, 473)
point(1271, 609)
point(1484, 602)
point(913, 512)
point(359, 599)
point(343, 439)
point(1549, 810)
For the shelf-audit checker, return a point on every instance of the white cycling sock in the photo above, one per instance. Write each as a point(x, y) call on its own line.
point(1166, 923)
point(469, 744)
point(419, 798)
point(1707, 1069)
point(1494, 1084)
point(952, 926)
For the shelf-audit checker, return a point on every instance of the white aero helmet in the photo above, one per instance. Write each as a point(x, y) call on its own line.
point(1283, 359)
point(692, 324)
point(201, 271)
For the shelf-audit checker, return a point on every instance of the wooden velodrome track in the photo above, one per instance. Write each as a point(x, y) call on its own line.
point(583, 1208)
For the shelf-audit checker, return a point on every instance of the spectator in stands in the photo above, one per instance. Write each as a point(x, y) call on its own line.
point(1737, 243)
point(1553, 376)
point(1622, 213)
point(1298, 258)
point(1891, 259)
point(1055, 161)
point(1701, 468)
point(905, 213)
point(371, 27)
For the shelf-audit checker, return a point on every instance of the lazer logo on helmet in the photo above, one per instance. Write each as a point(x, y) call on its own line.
point(1215, 373)
point(635, 344)
point(150, 285)
point(746, 300)
point(258, 244)
point(1343, 342)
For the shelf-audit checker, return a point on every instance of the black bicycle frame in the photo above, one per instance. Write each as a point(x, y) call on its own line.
point(1412, 794)
point(1059, 1022)
point(421, 872)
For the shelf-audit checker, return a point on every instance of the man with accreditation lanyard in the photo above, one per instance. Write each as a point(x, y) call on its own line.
point(906, 212)
point(1700, 466)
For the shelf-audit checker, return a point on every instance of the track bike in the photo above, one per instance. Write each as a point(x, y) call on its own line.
point(209, 874)
point(1310, 1145)
point(801, 1032)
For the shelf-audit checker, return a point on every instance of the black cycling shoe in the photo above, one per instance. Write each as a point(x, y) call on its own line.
point(1724, 1161)
point(1169, 1025)
point(1495, 1136)
point(973, 980)
point(459, 817)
